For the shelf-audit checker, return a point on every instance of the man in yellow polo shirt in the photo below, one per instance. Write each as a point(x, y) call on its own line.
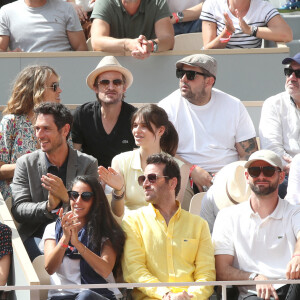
point(164, 242)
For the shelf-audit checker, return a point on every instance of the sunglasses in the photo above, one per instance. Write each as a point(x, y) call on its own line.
point(106, 82)
point(152, 178)
point(85, 196)
point(54, 86)
point(288, 72)
point(190, 75)
point(268, 171)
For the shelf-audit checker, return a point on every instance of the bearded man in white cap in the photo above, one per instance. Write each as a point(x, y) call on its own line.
point(214, 128)
point(103, 128)
point(260, 238)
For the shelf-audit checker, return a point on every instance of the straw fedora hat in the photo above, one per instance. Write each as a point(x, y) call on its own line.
point(109, 63)
point(230, 186)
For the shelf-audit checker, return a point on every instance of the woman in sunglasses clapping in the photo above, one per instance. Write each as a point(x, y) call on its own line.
point(153, 133)
point(33, 85)
point(84, 245)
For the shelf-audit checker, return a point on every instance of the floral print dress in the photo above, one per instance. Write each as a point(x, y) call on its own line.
point(16, 138)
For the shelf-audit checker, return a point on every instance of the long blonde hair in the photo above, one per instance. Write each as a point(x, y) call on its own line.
point(28, 89)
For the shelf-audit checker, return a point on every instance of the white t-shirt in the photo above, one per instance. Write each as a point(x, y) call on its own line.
point(259, 14)
point(293, 189)
point(69, 270)
point(208, 133)
point(264, 246)
point(39, 29)
point(180, 5)
point(279, 127)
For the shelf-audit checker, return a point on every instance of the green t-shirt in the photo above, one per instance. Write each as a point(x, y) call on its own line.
point(122, 25)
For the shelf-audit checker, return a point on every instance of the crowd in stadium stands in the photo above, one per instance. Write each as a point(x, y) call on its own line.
point(151, 160)
point(140, 27)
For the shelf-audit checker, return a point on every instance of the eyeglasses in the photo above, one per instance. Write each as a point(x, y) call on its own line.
point(106, 82)
point(152, 178)
point(85, 196)
point(268, 171)
point(190, 75)
point(54, 86)
point(289, 71)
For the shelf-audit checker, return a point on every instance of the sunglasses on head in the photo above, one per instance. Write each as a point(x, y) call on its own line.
point(106, 82)
point(190, 75)
point(85, 196)
point(152, 178)
point(54, 86)
point(268, 171)
point(289, 71)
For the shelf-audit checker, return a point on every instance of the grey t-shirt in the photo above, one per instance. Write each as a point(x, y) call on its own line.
point(39, 29)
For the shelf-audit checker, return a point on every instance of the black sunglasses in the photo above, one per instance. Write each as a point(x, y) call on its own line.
point(190, 75)
point(106, 82)
point(85, 196)
point(268, 171)
point(54, 86)
point(290, 71)
point(151, 178)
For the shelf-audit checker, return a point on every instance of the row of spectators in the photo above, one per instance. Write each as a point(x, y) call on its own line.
point(69, 219)
point(140, 27)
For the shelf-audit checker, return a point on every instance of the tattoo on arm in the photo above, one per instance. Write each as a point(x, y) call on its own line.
point(247, 148)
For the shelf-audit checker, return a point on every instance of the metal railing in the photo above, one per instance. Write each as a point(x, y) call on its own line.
point(223, 284)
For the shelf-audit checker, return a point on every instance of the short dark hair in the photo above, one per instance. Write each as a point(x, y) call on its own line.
point(61, 114)
point(171, 168)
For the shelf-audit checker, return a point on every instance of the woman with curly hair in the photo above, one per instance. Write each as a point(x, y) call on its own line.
point(33, 85)
point(83, 246)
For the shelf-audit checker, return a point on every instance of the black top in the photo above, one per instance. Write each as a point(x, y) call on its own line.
point(88, 130)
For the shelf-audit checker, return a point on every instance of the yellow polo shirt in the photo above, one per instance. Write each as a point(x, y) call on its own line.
point(179, 252)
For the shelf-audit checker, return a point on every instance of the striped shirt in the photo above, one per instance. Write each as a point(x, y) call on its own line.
point(259, 14)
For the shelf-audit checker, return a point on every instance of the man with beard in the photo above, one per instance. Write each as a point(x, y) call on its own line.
point(40, 178)
point(103, 128)
point(165, 243)
point(260, 238)
point(214, 128)
point(280, 119)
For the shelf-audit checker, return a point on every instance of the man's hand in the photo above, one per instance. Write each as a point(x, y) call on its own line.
point(53, 202)
point(286, 168)
point(177, 296)
point(201, 178)
point(56, 186)
point(265, 291)
point(293, 268)
point(143, 48)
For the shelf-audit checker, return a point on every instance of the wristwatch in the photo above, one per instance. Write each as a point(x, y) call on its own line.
point(254, 30)
point(180, 16)
point(252, 276)
point(155, 46)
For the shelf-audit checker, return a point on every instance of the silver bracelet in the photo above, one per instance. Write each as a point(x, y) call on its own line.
point(118, 197)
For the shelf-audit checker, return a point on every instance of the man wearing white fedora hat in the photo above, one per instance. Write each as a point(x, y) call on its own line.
point(260, 238)
point(103, 128)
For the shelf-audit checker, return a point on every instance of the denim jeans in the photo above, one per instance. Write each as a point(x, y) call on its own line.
point(188, 27)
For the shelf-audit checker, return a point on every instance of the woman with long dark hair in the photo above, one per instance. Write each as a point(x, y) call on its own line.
point(84, 245)
point(153, 133)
